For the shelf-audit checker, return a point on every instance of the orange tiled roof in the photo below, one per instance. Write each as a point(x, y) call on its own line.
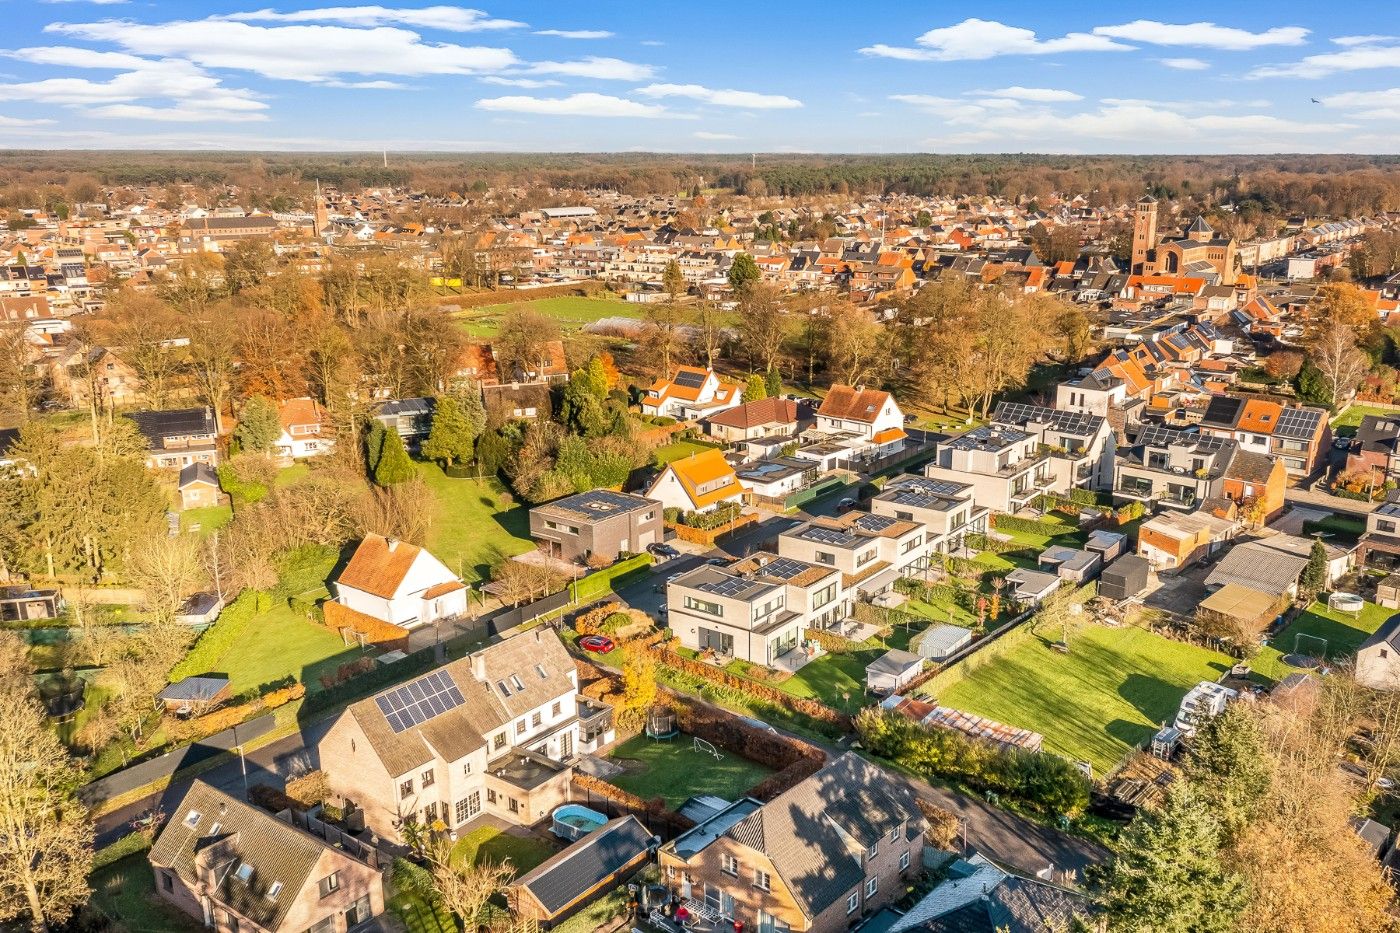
point(376, 568)
point(1260, 416)
point(299, 411)
point(705, 467)
point(849, 404)
point(889, 436)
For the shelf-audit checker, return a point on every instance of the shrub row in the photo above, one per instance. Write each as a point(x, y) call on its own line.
point(720, 515)
point(229, 716)
point(831, 642)
point(1047, 783)
point(215, 641)
point(591, 622)
point(792, 759)
point(1030, 525)
point(272, 799)
point(129, 844)
point(617, 795)
point(383, 675)
point(603, 581)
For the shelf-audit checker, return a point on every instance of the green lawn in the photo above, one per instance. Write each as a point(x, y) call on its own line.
point(944, 610)
point(490, 844)
point(474, 528)
point(1343, 632)
point(1348, 421)
point(125, 892)
point(281, 644)
point(1110, 692)
point(677, 450)
point(208, 519)
point(419, 916)
point(676, 771)
point(571, 313)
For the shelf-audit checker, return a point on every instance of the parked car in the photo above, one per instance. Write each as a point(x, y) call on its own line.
point(718, 562)
point(846, 503)
point(663, 550)
point(599, 643)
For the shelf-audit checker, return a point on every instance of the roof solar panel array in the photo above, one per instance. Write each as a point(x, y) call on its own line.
point(871, 522)
point(689, 379)
point(1070, 422)
point(1154, 436)
point(784, 568)
point(416, 702)
point(1297, 423)
point(828, 535)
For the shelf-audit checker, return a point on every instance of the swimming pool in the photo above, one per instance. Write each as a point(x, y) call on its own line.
point(571, 821)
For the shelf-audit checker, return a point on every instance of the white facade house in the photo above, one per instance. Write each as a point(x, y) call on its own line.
point(868, 414)
point(692, 393)
point(400, 584)
point(304, 430)
point(697, 483)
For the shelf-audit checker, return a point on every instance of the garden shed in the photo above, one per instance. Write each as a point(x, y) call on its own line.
point(1125, 578)
point(891, 671)
point(938, 641)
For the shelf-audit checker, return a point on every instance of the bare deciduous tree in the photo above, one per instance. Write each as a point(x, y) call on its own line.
point(466, 887)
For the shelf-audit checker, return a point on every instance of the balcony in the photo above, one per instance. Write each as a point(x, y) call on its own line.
point(1139, 491)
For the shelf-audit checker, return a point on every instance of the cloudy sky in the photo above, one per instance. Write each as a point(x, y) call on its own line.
point(719, 76)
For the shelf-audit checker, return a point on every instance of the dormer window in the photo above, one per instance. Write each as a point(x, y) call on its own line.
point(501, 686)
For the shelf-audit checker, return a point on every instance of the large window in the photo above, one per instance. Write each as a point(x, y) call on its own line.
point(768, 608)
point(468, 807)
point(329, 884)
point(824, 595)
point(406, 788)
point(700, 605)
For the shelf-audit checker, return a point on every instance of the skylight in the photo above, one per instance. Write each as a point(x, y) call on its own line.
point(192, 818)
point(244, 872)
point(275, 890)
point(539, 669)
point(516, 683)
point(501, 686)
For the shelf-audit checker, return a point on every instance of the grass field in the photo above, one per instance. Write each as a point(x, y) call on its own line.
point(1342, 631)
point(281, 644)
point(490, 844)
point(474, 528)
point(677, 450)
point(208, 519)
point(571, 313)
point(676, 771)
point(1111, 692)
point(1348, 421)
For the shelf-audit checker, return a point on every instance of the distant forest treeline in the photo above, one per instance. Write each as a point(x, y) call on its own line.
point(1313, 184)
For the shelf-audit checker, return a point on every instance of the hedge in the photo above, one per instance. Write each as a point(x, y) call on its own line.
point(216, 641)
point(418, 662)
point(1031, 526)
point(604, 581)
point(831, 642)
point(129, 844)
point(809, 708)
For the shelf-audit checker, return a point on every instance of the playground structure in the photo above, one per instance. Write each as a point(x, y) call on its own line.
point(700, 745)
point(661, 724)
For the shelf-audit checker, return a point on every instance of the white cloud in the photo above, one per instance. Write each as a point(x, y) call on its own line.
point(705, 134)
point(294, 53)
point(17, 121)
point(1038, 94)
point(73, 57)
point(721, 98)
point(520, 82)
point(575, 105)
point(1203, 35)
point(1363, 40)
point(1370, 105)
point(451, 18)
point(1185, 64)
point(575, 33)
point(976, 39)
point(652, 42)
point(1361, 56)
point(593, 66)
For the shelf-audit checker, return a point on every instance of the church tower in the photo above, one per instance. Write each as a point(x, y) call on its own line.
point(321, 224)
point(1144, 229)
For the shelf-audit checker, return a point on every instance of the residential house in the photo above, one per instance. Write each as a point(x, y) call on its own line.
point(1257, 483)
point(233, 867)
point(1173, 540)
point(945, 508)
point(216, 234)
point(1081, 446)
point(819, 857)
point(1375, 451)
point(698, 483)
point(1300, 436)
point(1006, 467)
point(399, 583)
point(1379, 546)
point(1173, 469)
point(976, 895)
point(1378, 658)
point(178, 437)
point(691, 394)
point(199, 486)
point(409, 418)
point(493, 733)
point(482, 363)
point(764, 418)
point(598, 525)
point(871, 551)
point(306, 431)
point(755, 609)
point(776, 477)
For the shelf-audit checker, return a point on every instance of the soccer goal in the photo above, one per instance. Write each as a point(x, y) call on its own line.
point(1310, 646)
point(700, 745)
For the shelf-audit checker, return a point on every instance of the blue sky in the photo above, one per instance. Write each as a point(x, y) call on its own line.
point(701, 77)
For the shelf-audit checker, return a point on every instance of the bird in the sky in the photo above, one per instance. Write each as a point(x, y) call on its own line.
point(1314, 100)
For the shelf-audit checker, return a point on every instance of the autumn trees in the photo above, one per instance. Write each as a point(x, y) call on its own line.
point(45, 833)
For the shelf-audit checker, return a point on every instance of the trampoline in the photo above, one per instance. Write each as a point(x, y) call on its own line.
point(661, 724)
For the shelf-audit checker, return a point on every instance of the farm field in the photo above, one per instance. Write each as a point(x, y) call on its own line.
point(1109, 693)
point(571, 313)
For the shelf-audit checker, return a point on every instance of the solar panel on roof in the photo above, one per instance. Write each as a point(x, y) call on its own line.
point(690, 380)
point(1297, 423)
point(415, 703)
point(874, 522)
point(827, 535)
point(784, 568)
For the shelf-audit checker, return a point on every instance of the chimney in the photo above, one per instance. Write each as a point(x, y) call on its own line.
point(479, 666)
point(391, 543)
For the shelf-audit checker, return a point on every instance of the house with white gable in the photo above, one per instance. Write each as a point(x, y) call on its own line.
point(692, 393)
point(869, 414)
point(306, 431)
point(399, 583)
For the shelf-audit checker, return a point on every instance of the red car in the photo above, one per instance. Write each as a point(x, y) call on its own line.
point(599, 643)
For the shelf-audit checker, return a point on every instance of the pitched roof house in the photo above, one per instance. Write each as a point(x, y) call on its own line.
point(868, 413)
point(696, 483)
point(179, 437)
point(399, 583)
point(691, 393)
point(305, 431)
point(235, 867)
point(817, 857)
